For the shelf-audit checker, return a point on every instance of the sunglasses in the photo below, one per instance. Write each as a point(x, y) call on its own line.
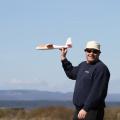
point(92, 50)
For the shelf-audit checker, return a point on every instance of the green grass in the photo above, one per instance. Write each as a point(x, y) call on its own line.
point(51, 113)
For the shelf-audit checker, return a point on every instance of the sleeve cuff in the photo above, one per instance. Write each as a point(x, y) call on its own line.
point(64, 61)
point(86, 108)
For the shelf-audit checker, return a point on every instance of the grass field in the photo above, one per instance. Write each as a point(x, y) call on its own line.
point(50, 113)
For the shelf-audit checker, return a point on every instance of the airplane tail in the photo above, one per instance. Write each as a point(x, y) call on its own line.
point(69, 42)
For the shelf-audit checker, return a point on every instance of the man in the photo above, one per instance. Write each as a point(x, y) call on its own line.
point(92, 77)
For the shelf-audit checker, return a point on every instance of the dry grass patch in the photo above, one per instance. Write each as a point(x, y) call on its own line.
point(112, 113)
point(51, 113)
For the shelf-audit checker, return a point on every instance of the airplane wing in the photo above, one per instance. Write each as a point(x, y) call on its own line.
point(45, 47)
point(51, 46)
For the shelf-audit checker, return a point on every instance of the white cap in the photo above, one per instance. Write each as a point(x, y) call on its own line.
point(93, 45)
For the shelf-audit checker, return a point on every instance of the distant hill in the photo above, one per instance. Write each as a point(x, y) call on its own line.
point(44, 95)
point(34, 95)
point(113, 97)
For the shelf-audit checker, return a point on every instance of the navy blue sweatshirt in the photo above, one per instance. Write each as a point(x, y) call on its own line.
point(91, 83)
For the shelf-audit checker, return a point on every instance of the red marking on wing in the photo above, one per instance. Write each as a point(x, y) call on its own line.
point(49, 46)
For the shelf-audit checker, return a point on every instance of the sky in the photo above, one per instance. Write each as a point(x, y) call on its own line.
point(26, 23)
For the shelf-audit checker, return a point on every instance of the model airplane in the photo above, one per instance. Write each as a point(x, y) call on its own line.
point(51, 46)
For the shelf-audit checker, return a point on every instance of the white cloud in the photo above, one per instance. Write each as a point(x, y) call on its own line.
point(38, 84)
point(19, 81)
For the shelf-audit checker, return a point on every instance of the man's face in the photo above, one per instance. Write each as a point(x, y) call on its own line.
point(92, 55)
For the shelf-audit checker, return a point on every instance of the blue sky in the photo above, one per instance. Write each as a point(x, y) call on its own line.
point(27, 23)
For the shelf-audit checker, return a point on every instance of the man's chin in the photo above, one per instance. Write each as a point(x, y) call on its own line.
point(91, 61)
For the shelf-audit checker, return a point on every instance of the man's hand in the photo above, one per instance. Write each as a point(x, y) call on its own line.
point(82, 113)
point(63, 53)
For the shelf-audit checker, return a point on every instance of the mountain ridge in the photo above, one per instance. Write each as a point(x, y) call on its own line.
point(44, 95)
point(34, 95)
